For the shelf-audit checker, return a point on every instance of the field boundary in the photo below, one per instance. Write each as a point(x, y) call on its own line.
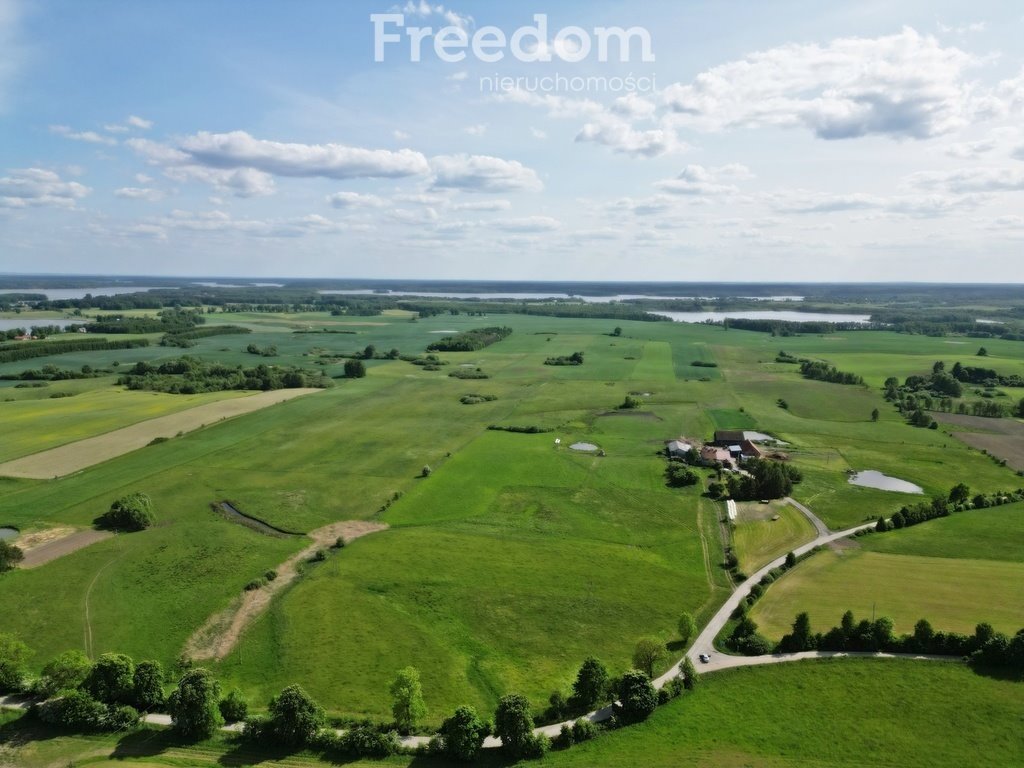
point(82, 454)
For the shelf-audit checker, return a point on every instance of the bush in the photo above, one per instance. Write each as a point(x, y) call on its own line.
point(76, 711)
point(583, 730)
point(367, 741)
point(513, 724)
point(354, 369)
point(148, 685)
point(121, 718)
point(233, 707)
point(64, 673)
point(133, 512)
point(193, 706)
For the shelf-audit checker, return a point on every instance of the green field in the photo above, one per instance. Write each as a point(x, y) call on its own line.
point(955, 572)
point(841, 714)
point(514, 559)
point(758, 538)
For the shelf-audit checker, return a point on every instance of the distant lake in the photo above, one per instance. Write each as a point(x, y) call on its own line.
point(782, 315)
point(537, 296)
point(239, 285)
point(57, 294)
point(7, 324)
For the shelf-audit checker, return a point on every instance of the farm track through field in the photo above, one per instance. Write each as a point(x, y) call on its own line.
point(73, 457)
point(220, 633)
point(87, 623)
point(59, 547)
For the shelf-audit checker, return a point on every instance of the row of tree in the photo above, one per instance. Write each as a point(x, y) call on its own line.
point(189, 375)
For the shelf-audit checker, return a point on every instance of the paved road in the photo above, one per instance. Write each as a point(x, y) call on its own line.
point(704, 644)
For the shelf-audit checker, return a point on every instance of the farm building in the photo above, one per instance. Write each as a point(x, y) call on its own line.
point(727, 437)
point(709, 454)
point(677, 449)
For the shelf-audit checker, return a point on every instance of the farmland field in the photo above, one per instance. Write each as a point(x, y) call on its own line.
point(507, 565)
point(764, 532)
point(956, 572)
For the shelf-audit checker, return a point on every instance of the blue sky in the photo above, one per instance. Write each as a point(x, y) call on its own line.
point(766, 141)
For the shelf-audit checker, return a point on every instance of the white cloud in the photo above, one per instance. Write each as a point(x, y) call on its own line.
point(424, 10)
point(905, 85)
point(400, 135)
point(483, 205)
point(634, 106)
point(355, 200)
point(537, 133)
point(968, 180)
point(698, 180)
point(143, 178)
point(238, 149)
point(37, 187)
point(139, 193)
point(914, 206)
point(137, 122)
point(476, 130)
point(482, 173)
point(963, 29)
point(115, 128)
point(528, 224)
point(618, 134)
point(221, 222)
point(88, 136)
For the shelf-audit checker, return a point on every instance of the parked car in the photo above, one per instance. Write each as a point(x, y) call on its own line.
point(704, 658)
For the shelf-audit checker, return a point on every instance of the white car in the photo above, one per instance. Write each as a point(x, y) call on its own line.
point(704, 658)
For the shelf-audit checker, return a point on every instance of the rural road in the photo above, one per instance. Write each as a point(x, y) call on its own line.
point(704, 644)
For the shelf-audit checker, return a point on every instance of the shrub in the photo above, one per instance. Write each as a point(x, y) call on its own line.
point(66, 672)
point(76, 710)
point(121, 718)
point(367, 741)
point(233, 707)
point(583, 730)
point(513, 724)
point(254, 585)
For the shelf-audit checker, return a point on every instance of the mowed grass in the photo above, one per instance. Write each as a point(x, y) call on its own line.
point(35, 425)
point(954, 594)
point(824, 713)
point(759, 539)
point(845, 713)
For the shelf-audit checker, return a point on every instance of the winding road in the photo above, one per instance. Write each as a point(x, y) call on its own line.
point(704, 644)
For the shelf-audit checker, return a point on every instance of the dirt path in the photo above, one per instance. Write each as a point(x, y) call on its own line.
point(52, 547)
point(87, 623)
point(219, 635)
point(79, 455)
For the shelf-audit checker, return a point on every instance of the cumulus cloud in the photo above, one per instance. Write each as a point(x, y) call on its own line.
point(482, 173)
point(139, 193)
point(354, 200)
point(88, 136)
point(238, 149)
point(622, 137)
point(906, 85)
point(483, 205)
point(528, 224)
point(221, 222)
point(36, 187)
point(698, 180)
point(137, 122)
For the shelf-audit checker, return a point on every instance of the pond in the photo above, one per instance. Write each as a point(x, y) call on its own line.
point(585, 447)
point(872, 479)
point(8, 533)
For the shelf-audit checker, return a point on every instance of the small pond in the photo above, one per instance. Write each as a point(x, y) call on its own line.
point(585, 447)
point(8, 533)
point(873, 479)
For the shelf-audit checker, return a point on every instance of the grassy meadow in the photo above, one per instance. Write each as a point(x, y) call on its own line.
point(758, 538)
point(515, 558)
point(956, 572)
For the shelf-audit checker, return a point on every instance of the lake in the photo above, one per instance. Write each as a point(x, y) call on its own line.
point(781, 315)
point(7, 324)
point(538, 296)
point(59, 294)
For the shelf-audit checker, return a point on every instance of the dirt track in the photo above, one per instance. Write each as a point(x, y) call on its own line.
point(58, 547)
point(219, 635)
point(79, 455)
